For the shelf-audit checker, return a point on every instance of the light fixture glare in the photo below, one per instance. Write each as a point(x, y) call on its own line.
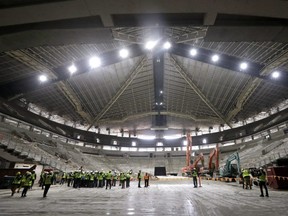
point(123, 53)
point(215, 58)
point(193, 52)
point(94, 62)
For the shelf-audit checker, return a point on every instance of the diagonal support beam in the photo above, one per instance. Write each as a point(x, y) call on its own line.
point(190, 82)
point(196, 35)
point(253, 84)
point(67, 91)
point(119, 36)
point(154, 113)
point(73, 99)
point(133, 73)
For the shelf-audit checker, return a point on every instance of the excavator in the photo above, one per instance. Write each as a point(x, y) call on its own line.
point(214, 166)
point(229, 169)
point(187, 169)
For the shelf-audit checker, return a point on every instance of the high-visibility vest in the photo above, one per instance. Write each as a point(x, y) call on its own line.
point(194, 173)
point(33, 176)
point(245, 173)
point(122, 177)
point(108, 176)
point(146, 177)
point(27, 181)
point(17, 180)
point(262, 177)
point(48, 179)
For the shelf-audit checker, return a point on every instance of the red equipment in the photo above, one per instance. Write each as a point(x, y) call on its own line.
point(214, 152)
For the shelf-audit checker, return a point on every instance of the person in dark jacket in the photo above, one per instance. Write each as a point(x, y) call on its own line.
point(262, 182)
point(195, 176)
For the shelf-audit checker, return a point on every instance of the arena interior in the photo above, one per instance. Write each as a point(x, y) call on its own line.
point(160, 92)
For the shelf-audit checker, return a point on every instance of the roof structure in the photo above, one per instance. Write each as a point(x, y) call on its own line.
point(168, 91)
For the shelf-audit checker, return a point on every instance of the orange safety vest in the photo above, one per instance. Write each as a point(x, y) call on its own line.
point(146, 177)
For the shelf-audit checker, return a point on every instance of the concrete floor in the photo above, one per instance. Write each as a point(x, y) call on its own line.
point(161, 198)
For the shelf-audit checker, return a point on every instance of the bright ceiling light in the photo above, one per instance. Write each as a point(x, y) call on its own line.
point(123, 53)
point(150, 45)
point(43, 78)
point(243, 66)
point(161, 92)
point(276, 74)
point(72, 69)
point(159, 144)
point(94, 62)
point(167, 45)
point(204, 141)
point(215, 58)
point(193, 52)
point(146, 137)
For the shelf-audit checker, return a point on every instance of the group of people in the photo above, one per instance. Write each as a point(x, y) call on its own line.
point(247, 176)
point(26, 181)
point(101, 179)
point(76, 179)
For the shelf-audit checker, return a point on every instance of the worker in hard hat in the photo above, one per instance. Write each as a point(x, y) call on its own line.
point(26, 182)
point(48, 180)
point(195, 176)
point(262, 182)
point(16, 183)
point(139, 177)
point(246, 177)
point(108, 177)
point(34, 176)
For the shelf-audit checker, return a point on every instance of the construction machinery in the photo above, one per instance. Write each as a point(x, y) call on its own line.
point(187, 169)
point(214, 166)
point(230, 169)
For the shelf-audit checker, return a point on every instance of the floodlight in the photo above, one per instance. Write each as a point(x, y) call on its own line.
point(123, 53)
point(72, 69)
point(204, 141)
point(94, 62)
point(215, 58)
point(243, 66)
point(193, 52)
point(150, 45)
point(275, 74)
point(43, 78)
point(167, 45)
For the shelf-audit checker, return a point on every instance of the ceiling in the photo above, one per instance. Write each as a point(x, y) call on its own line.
point(124, 93)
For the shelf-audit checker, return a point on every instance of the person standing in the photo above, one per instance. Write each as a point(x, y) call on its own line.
point(16, 183)
point(195, 176)
point(108, 179)
point(34, 176)
point(48, 180)
point(146, 180)
point(114, 179)
point(139, 177)
point(122, 180)
point(262, 182)
point(128, 179)
point(246, 178)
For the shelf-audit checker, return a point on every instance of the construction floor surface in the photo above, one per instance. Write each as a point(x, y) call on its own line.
point(177, 197)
